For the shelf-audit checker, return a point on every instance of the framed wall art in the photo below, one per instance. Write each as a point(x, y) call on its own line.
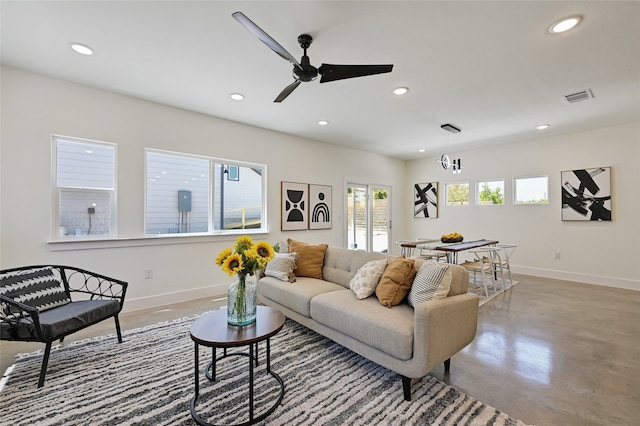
point(319, 207)
point(586, 194)
point(294, 206)
point(425, 200)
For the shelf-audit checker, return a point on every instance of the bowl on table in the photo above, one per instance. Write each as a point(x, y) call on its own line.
point(452, 240)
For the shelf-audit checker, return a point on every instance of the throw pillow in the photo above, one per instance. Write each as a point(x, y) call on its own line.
point(38, 288)
point(396, 281)
point(432, 281)
point(311, 258)
point(364, 283)
point(282, 266)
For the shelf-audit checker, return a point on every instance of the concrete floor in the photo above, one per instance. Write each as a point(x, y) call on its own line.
point(548, 352)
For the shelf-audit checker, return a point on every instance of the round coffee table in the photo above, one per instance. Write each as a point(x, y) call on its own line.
point(212, 330)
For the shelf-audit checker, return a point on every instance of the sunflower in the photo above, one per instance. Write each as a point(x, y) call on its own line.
point(244, 242)
point(232, 264)
point(223, 255)
point(265, 252)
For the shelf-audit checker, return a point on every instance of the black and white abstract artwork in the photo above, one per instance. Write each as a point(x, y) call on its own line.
point(294, 206)
point(319, 207)
point(586, 194)
point(425, 200)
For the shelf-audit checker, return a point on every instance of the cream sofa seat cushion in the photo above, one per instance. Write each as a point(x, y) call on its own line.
point(389, 330)
point(296, 296)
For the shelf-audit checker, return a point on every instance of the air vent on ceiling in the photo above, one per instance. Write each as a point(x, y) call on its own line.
point(582, 95)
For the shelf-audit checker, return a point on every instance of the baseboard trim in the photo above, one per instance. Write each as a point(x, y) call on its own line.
point(150, 302)
point(582, 278)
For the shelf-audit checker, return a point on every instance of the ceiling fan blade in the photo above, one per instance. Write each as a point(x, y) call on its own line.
point(265, 38)
point(331, 72)
point(287, 91)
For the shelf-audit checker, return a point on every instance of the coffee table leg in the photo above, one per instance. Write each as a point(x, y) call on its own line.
point(197, 361)
point(251, 383)
point(269, 355)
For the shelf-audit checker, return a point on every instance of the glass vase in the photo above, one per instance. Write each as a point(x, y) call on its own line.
point(241, 303)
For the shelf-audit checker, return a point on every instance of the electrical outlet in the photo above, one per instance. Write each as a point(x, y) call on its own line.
point(148, 274)
point(556, 255)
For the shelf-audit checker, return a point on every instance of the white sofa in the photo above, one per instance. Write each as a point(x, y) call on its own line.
point(410, 341)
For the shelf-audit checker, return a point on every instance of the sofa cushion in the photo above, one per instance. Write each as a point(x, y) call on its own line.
point(311, 258)
point(364, 283)
point(38, 288)
point(282, 266)
point(396, 281)
point(389, 330)
point(295, 296)
point(432, 281)
point(65, 319)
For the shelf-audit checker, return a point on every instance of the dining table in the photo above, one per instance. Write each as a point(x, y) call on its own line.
point(452, 249)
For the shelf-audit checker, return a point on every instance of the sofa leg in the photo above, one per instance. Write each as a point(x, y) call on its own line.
point(447, 364)
point(118, 328)
point(45, 361)
point(406, 387)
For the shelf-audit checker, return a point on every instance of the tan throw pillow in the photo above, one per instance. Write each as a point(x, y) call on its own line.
point(282, 266)
point(396, 281)
point(432, 281)
point(364, 283)
point(310, 260)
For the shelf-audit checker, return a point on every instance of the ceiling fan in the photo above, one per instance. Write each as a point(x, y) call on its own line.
point(303, 71)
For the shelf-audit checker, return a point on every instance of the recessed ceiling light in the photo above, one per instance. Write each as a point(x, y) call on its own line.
point(323, 122)
point(400, 90)
point(82, 49)
point(421, 150)
point(237, 96)
point(565, 24)
point(542, 126)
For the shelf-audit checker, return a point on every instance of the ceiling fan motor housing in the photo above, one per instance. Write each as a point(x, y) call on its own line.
point(308, 71)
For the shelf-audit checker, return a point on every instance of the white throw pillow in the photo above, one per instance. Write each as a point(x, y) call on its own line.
point(282, 266)
point(364, 283)
point(432, 281)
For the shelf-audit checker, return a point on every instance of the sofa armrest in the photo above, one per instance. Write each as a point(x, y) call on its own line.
point(442, 327)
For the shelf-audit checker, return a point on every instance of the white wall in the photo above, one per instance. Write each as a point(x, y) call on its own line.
point(606, 253)
point(35, 106)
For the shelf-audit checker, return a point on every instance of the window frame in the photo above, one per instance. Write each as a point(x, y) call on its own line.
point(515, 190)
point(488, 181)
point(446, 194)
point(58, 190)
point(213, 179)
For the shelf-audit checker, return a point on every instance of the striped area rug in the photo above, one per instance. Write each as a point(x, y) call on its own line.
point(148, 380)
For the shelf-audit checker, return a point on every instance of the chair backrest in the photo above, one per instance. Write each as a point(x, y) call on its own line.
point(508, 250)
point(487, 254)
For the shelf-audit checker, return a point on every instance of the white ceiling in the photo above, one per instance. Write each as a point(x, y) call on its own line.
point(490, 68)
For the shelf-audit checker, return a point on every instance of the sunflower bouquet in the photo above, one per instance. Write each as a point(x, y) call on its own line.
point(244, 258)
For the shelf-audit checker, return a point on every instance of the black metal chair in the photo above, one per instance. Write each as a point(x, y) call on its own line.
point(45, 303)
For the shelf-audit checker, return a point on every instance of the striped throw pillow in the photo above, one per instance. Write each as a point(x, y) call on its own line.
point(38, 288)
point(432, 281)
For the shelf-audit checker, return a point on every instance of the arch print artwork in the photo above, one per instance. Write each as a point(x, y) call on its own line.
point(294, 206)
point(319, 207)
point(305, 206)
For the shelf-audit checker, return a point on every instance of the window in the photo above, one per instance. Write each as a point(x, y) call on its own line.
point(531, 190)
point(457, 194)
point(490, 192)
point(85, 188)
point(194, 194)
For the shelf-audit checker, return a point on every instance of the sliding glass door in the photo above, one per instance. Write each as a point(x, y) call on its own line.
point(368, 217)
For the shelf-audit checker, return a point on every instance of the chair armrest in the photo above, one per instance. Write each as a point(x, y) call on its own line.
point(442, 327)
point(96, 286)
point(27, 316)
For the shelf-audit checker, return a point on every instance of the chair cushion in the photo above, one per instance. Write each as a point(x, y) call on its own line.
point(38, 288)
point(64, 319)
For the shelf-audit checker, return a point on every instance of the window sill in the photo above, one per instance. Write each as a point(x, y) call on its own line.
point(149, 240)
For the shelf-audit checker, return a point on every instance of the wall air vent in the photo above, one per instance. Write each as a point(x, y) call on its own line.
point(582, 95)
